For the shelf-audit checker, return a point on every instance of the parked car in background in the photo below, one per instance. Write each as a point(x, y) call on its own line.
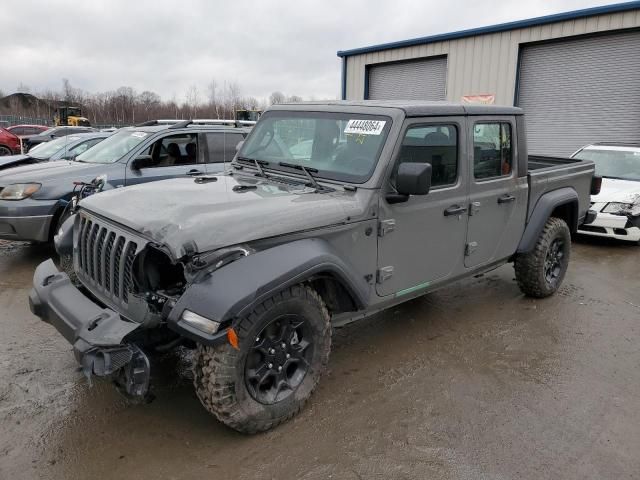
point(255, 267)
point(62, 148)
point(27, 130)
point(9, 143)
point(33, 197)
point(48, 135)
point(619, 199)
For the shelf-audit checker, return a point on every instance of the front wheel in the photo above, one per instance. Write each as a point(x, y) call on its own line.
point(540, 272)
point(283, 349)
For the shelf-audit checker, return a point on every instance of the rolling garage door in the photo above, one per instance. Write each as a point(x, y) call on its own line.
point(581, 91)
point(414, 80)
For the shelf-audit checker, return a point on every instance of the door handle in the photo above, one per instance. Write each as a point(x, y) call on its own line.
point(506, 199)
point(454, 210)
point(195, 171)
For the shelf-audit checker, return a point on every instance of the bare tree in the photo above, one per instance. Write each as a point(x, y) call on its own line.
point(214, 104)
point(22, 88)
point(276, 97)
point(67, 90)
point(192, 97)
point(149, 101)
point(294, 99)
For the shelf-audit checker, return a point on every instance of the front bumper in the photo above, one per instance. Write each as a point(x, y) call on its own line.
point(611, 226)
point(97, 334)
point(26, 219)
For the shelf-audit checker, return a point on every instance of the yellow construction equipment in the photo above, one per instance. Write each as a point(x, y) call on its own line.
point(70, 116)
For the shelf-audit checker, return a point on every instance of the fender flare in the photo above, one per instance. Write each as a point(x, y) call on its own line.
point(235, 289)
point(545, 206)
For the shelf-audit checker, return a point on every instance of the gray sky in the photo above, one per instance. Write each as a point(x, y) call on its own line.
point(261, 45)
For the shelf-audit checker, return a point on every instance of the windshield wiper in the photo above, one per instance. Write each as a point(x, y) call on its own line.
point(307, 171)
point(257, 163)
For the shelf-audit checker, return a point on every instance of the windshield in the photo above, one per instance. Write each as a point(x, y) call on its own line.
point(337, 146)
point(48, 149)
point(614, 162)
point(113, 148)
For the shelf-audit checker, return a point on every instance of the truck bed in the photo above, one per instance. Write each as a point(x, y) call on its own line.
point(546, 174)
point(537, 162)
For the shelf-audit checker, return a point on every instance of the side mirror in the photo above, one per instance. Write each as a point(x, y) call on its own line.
point(143, 161)
point(239, 145)
point(413, 178)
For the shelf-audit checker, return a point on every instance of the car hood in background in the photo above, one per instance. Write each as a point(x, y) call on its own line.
point(183, 215)
point(53, 174)
point(11, 161)
point(614, 190)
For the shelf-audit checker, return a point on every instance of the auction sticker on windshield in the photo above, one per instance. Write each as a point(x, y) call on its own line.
point(365, 127)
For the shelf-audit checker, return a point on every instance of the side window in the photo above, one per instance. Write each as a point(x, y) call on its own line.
point(61, 132)
point(492, 150)
point(19, 131)
point(221, 147)
point(434, 144)
point(175, 150)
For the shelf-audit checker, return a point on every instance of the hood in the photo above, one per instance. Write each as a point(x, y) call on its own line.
point(614, 190)
point(182, 214)
point(52, 173)
point(11, 161)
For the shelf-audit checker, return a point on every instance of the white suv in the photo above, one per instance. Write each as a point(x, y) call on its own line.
point(618, 203)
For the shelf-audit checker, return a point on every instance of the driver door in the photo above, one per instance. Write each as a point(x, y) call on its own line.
point(421, 241)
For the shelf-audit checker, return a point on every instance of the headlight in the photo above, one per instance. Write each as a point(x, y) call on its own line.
point(19, 191)
point(617, 208)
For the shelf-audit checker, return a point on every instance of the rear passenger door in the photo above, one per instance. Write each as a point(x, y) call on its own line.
point(220, 149)
point(172, 156)
point(497, 194)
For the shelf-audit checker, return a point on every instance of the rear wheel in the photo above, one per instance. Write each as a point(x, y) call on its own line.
point(283, 349)
point(540, 272)
point(4, 151)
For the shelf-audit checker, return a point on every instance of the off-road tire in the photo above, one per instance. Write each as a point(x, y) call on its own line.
point(219, 371)
point(530, 267)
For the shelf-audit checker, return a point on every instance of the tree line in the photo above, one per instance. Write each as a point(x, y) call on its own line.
point(126, 106)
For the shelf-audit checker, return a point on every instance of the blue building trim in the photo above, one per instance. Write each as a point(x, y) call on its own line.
point(532, 22)
point(344, 78)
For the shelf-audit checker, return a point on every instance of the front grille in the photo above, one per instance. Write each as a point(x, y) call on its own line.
point(104, 258)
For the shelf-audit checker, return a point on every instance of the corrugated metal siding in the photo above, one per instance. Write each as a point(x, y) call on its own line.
point(580, 91)
point(484, 63)
point(413, 80)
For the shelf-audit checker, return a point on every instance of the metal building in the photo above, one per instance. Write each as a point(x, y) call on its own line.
point(576, 74)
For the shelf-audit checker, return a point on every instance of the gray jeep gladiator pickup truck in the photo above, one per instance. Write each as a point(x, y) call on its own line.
point(329, 213)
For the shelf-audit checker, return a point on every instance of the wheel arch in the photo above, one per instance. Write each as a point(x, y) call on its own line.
point(561, 203)
point(234, 290)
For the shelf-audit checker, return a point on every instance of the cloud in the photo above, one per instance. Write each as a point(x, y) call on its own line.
point(262, 46)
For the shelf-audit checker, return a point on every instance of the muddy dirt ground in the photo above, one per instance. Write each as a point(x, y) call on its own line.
point(473, 382)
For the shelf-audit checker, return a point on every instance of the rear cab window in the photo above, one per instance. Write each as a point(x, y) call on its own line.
point(492, 150)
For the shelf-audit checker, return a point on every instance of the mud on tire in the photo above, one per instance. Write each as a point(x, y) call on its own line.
point(540, 272)
point(225, 377)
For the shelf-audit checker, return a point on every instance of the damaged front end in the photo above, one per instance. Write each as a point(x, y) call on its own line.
point(98, 335)
point(122, 304)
